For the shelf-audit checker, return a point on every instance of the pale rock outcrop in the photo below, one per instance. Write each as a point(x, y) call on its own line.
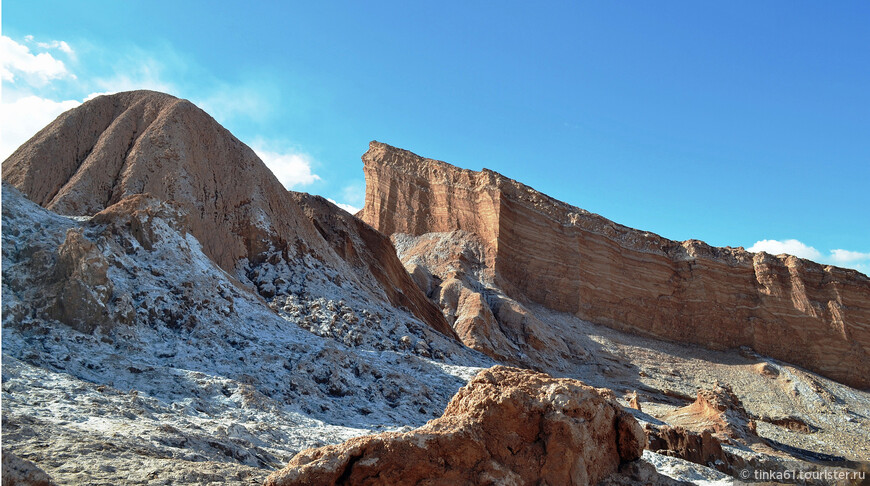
point(21, 472)
point(454, 271)
point(541, 250)
point(507, 426)
point(143, 142)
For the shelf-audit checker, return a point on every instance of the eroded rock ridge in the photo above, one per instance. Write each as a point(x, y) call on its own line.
point(544, 251)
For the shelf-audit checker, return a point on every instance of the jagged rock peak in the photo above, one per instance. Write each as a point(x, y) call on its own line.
point(570, 260)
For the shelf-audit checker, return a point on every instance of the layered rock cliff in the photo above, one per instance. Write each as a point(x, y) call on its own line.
point(545, 251)
point(143, 142)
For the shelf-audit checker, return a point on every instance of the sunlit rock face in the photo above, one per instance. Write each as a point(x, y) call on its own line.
point(507, 426)
point(143, 142)
point(544, 251)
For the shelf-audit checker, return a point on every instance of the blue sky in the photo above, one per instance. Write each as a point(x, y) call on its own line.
point(738, 123)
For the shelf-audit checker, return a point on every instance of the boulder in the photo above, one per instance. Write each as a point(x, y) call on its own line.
point(507, 426)
point(21, 472)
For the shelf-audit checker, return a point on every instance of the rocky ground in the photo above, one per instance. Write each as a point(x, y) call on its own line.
point(209, 332)
point(154, 402)
point(157, 400)
point(792, 418)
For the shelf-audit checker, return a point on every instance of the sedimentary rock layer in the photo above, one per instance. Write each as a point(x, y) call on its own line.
point(545, 251)
point(143, 142)
point(507, 426)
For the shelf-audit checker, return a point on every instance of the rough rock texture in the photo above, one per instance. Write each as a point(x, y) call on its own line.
point(370, 251)
point(117, 146)
point(565, 258)
point(21, 472)
point(452, 269)
point(193, 380)
point(698, 447)
point(719, 412)
point(507, 426)
point(697, 431)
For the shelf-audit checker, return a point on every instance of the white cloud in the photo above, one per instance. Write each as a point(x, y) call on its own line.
point(842, 258)
point(355, 193)
point(22, 118)
point(24, 108)
point(792, 247)
point(147, 73)
point(347, 207)
point(846, 256)
point(292, 169)
point(17, 62)
point(228, 102)
point(62, 46)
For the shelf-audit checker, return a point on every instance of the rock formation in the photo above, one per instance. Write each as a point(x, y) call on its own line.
point(161, 343)
point(21, 472)
point(718, 412)
point(698, 447)
point(454, 271)
point(142, 142)
point(544, 251)
point(366, 249)
point(507, 426)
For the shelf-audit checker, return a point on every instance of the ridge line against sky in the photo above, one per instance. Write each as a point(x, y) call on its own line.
point(740, 125)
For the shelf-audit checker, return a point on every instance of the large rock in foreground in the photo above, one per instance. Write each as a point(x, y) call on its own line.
point(570, 260)
point(507, 426)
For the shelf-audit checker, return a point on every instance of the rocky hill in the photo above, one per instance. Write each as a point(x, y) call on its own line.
point(138, 359)
point(144, 142)
point(540, 250)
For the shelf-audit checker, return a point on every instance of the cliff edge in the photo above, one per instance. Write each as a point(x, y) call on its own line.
point(548, 252)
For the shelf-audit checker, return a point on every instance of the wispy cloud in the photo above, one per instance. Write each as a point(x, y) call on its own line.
point(352, 197)
point(843, 258)
point(347, 207)
point(143, 72)
point(22, 118)
point(18, 63)
point(792, 247)
point(250, 101)
point(22, 111)
point(354, 193)
point(55, 44)
point(293, 169)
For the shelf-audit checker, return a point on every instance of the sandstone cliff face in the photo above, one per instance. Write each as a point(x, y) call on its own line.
point(545, 251)
point(142, 142)
point(507, 426)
